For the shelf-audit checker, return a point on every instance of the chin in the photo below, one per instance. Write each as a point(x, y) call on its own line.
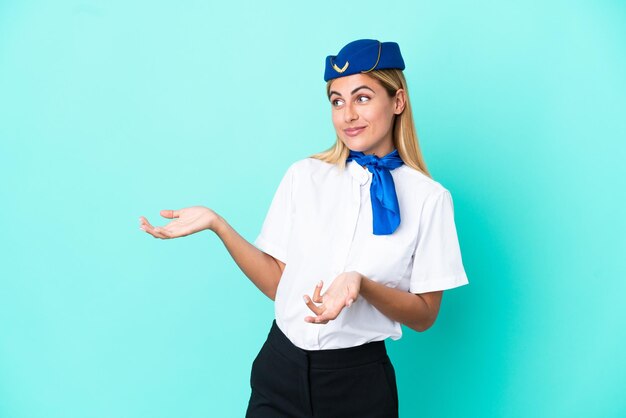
point(360, 149)
point(352, 146)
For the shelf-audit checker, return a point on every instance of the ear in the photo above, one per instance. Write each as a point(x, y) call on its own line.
point(399, 101)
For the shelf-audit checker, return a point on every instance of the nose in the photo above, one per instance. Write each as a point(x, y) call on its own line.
point(350, 112)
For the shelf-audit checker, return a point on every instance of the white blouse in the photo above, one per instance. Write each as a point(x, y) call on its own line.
point(320, 224)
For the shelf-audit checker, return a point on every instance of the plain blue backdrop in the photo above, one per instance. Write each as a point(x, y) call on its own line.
point(112, 110)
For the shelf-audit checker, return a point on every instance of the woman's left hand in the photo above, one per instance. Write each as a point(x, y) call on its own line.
point(343, 291)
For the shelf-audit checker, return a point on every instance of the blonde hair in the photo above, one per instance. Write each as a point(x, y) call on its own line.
point(404, 133)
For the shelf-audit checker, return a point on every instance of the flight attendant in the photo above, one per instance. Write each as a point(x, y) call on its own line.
point(358, 240)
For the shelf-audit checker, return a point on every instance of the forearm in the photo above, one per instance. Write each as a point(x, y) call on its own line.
point(258, 266)
point(407, 308)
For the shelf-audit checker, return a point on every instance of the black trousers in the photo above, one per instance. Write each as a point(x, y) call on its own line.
point(287, 381)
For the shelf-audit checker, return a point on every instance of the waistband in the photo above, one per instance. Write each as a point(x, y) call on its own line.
point(338, 358)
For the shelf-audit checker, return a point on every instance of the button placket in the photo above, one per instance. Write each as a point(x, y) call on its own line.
point(313, 335)
point(360, 177)
point(354, 218)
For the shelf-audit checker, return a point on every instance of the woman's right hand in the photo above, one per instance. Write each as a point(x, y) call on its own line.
point(186, 221)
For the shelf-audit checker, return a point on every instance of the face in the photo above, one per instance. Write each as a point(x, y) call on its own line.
point(363, 113)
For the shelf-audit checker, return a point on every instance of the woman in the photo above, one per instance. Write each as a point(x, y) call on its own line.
point(357, 240)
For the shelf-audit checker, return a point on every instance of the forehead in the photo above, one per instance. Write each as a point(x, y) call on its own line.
point(344, 85)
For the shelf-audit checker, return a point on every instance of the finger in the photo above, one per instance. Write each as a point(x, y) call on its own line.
point(150, 231)
point(312, 306)
point(168, 213)
point(330, 313)
point(145, 225)
point(155, 232)
point(350, 297)
point(163, 232)
point(316, 294)
point(314, 320)
point(327, 315)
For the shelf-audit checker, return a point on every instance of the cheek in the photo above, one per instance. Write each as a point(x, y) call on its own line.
point(381, 117)
point(336, 118)
point(374, 116)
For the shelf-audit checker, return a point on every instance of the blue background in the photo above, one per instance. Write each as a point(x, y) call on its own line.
point(112, 110)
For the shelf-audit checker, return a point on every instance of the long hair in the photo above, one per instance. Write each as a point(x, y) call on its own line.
point(404, 133)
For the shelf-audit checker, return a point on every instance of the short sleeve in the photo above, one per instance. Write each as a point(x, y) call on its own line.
point(274, 236)
point(437, 263)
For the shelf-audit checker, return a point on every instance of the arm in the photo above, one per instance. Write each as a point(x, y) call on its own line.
point(261, 268)
point(417, 311)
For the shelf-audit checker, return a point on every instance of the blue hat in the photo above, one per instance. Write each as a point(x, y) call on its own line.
point(363, 56)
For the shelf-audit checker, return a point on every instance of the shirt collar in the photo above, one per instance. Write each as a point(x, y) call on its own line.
point(359, 173)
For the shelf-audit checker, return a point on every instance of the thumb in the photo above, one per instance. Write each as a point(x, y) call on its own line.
point(168, 213)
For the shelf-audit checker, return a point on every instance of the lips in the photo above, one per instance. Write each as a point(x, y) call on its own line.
point(354, 131)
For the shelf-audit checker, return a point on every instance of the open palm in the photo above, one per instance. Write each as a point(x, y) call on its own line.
point(185, 222)
point(343, 291)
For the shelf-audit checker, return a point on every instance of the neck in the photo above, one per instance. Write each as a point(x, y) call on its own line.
point(378, 153)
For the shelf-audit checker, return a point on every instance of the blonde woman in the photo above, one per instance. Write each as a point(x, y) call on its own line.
point(358, 240)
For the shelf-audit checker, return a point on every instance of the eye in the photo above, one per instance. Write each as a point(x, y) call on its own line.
point(336, 102)
point(362, 99)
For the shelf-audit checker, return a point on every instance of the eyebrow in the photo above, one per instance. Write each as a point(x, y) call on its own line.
point(330, 93)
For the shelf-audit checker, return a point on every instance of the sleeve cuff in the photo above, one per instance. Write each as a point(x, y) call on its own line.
point(271, 249)
point(434, 285)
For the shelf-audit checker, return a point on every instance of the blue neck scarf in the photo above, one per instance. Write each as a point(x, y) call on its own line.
point(385, 209)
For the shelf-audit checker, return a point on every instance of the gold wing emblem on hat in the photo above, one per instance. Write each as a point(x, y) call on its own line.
point(341, 70)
